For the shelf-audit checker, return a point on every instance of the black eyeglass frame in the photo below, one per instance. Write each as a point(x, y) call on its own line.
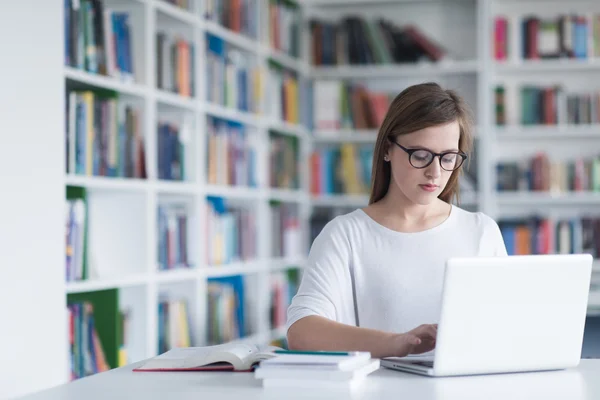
point(410, 152)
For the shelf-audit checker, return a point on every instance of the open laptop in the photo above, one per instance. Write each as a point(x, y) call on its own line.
point(508, 314)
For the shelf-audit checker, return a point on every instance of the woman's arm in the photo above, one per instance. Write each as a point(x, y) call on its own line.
point(319, 333)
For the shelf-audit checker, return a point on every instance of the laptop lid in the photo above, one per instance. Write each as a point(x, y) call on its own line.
point(514, 313)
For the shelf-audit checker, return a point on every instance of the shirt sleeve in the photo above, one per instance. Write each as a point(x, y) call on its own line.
point(325, 288)
point(493, 237)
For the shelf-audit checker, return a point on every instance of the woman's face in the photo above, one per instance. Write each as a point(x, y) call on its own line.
point(424, 185)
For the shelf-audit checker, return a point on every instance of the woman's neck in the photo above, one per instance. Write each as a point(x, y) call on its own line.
point(395, 211)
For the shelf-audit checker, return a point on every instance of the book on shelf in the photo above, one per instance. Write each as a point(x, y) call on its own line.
point(344, 169)
point(286, 230)
point(174, 324)
point(284, 26)
point(233, 77)
point(171, 152)
point(231, 153)
point(76, 214)
point(283, 161)
point(86, 351)
point(283, 96)
point(226, 310)
point(104, 136)
point(540, 234)
point(173, 224)
point(230, 232)
point(175, 64)
point(98, 39)
point(568, 36)
point(236, 15)
point(183, 4)
point(542, 174)
point(240, 357)
point(362, 41)
point(95, 331)
point(549, 105)
point(283, 287)
point(345, 105)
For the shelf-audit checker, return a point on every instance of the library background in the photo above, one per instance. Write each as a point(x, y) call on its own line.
point(205, 143)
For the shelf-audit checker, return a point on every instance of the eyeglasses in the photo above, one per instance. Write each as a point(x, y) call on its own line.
point(421, 158)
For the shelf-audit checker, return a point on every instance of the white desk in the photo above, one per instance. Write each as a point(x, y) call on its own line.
point(122, 383)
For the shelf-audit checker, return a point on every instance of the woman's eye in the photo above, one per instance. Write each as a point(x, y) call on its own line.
point(449, 159)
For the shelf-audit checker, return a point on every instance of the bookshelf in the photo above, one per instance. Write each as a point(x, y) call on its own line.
point(182, 151)
point(477, 64)
point(226, 91)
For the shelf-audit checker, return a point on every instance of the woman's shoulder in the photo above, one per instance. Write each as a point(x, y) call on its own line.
point(474, 221)
point(344, 223)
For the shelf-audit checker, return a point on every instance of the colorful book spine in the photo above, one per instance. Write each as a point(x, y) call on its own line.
point(175, 64)
point(173, 237)
point(231, 154)
point(230, 233)
point(226, 310)
point(283, 161)
point(98, 39)
point(174, 325)
point(104, 136)
point(354, 162)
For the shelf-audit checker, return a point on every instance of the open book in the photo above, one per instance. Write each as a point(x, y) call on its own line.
point(224, 357)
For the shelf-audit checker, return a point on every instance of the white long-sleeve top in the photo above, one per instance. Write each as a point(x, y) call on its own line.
point(398, 276)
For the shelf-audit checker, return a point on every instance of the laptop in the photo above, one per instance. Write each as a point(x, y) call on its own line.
point(508, 314)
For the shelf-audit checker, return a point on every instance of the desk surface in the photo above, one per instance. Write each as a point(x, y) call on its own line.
point(122, 383)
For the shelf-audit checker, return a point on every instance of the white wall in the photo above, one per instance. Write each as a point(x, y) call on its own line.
point(32, 300)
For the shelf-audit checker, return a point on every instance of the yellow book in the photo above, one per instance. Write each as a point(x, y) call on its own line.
point(184, 329)
point(88, 99)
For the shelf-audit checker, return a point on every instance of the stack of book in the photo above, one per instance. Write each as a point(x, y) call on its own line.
point(316, 369)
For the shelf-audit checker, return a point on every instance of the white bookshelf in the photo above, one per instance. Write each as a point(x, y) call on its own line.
point(130, 234)
point(123, 211)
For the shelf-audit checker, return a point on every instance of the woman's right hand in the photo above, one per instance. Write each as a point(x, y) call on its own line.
point(417, 341)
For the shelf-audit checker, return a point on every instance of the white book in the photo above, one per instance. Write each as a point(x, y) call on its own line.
point(345, 362)
point(304, 373)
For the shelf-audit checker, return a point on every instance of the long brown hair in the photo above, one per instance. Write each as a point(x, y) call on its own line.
point(418, 107)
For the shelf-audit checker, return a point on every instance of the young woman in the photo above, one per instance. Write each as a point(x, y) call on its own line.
point(374, 276)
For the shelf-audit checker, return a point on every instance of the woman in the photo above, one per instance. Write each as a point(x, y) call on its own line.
point(374, 276)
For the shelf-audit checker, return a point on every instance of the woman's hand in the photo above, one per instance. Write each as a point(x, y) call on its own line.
point(417, 341)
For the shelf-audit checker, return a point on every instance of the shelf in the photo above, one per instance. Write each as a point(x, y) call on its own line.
point(107, 183)
point(175, 100)
point(235, 192)
point(243, 117)
point(287, 61)
point(237, 268)
point(340, 200)
point(346, 135)
point(278, 264)
point(394, 71)
point(105, 82)
point(102, 284)
point(541, 198)
point(287, 195)
point(176, 12)
point(286, 128)
point(562, 65)
point(548, 132)
point(231, 37)
point(176, 275)
point(177, 187)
